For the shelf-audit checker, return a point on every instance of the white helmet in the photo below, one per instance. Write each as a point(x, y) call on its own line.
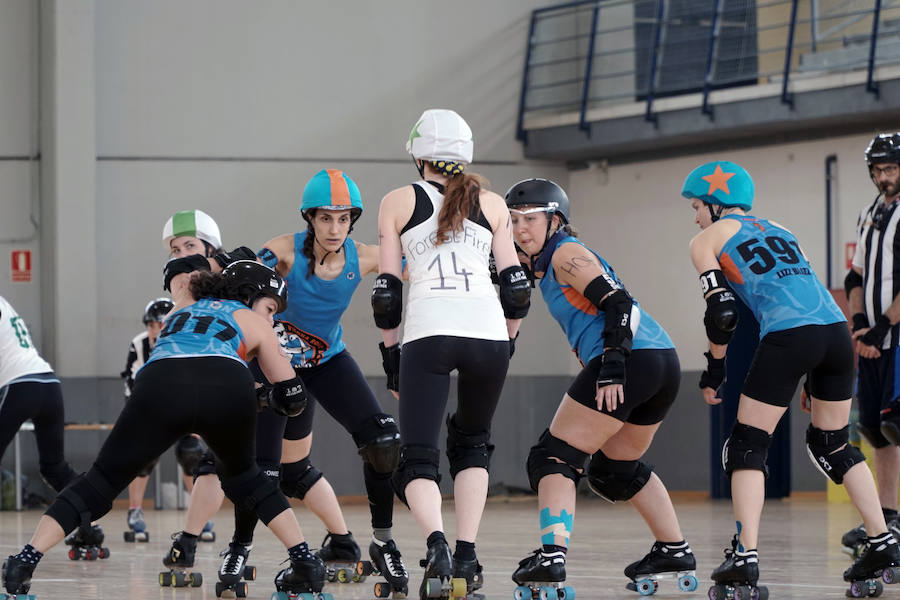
point(441, 134)
point(194, 223)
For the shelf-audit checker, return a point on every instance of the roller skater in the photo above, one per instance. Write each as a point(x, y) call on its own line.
point(543, 574)
point(208, 535)
point(86, 542)
point(340, 553)
point(137, 528)
point(234, 568)
point(180, 561)
point(880, 557)
point(438, 580)
point(302, 580)
point(386, 562)
point(664, 561)
point(737, 576)
point(17, 572)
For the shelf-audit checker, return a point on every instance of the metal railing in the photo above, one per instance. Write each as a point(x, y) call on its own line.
point(591, 54)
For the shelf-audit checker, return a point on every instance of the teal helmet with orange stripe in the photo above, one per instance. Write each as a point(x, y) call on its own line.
point(722, 183)
point(331, 189)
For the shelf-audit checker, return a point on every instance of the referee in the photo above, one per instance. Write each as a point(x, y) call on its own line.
point(873, 291)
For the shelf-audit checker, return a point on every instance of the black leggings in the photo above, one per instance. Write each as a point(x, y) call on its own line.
point(210, 396)
point(425, 368)
point(39, 398)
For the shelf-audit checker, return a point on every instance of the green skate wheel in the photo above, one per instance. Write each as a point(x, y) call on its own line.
point(342, 576)
point(688, 583)
point(568, 593)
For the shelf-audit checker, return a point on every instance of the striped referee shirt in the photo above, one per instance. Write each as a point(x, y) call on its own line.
point(878, 255)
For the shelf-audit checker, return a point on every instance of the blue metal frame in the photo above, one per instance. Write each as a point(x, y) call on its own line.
point(706, 109)
point(520, 130)
point(871, 84)
point(650, 115)
point(588, 67)
point(786, 97)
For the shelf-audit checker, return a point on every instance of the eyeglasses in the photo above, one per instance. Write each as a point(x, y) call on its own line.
point(889, 170)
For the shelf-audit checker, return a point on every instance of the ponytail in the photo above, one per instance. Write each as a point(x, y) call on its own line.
point(460, 202)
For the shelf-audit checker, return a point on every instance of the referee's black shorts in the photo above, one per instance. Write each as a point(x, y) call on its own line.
point(825, 352)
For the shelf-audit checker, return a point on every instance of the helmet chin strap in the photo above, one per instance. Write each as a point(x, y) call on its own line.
point(327, 251)
point(420, 167)
point(715, 215)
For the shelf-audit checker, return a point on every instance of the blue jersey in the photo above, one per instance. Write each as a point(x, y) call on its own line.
point(583, 322)
point(766, 269)
point(310, 328)
point(205, 328)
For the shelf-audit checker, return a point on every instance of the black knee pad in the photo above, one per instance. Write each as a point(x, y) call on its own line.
point(298, 478)
point(746, 448)
point(544, 457)
point(189, 451)
point(831, 451)
point(57, 475)
point(87, 498)
point(616, 480)
point(416, 462)
point(145, 472)
point(379, 443)
point(253, 490)
point(875, 438)
point(466, 450)
point(206, 466)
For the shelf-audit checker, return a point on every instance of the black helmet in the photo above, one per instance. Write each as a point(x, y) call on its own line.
point(884, 148)
point(156, 310)
point(540, 193)
point(246, 280)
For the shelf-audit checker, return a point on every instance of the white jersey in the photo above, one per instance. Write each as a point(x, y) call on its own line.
point(450, 289)
point(138, 353)
point(18, 356)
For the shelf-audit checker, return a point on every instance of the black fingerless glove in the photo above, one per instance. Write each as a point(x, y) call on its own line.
point(714, 374)
point(263, 397)
point(240, 253)
point(875, 336)
point(390, 361)
point(612, 368)
point(512, 345)
point(860, 321)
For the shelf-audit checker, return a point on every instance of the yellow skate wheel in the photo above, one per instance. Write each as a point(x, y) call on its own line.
point(458, 588)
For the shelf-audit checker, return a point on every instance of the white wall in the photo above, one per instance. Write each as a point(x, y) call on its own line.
point(635, 217)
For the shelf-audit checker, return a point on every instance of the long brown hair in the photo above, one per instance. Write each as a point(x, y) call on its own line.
point(460, 201)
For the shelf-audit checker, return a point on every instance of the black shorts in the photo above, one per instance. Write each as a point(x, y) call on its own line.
point(877, 388)
point(652, 378)
point(825, 352)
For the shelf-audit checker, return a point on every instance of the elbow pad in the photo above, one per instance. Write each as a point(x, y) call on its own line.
point(184, 264)
point(852, 280)
point(289, 397)
point(721, 317)
point(387, 301)
point(515, 292)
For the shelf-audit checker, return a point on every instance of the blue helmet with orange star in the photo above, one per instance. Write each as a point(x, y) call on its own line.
point(720, 182)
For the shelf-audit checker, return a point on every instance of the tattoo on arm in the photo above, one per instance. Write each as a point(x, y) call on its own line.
point(575, 263)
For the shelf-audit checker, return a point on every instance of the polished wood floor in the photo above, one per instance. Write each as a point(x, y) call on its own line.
point(799, 551)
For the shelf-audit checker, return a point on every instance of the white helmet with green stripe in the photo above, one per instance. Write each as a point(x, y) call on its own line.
point(194, 223)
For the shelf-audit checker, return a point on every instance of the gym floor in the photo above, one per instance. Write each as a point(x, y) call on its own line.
point(800, 554)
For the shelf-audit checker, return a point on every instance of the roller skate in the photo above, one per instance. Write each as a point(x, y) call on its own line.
point(386, 562)
point(86, 543)
point(737, 576)
point(234, 568)
point(17, 579)
point(438, 581)
point(542, 576)
point(180, 561)
point(303, 580)
point(879, 558)
point(137, 529)
point(473, 573)
point(340, 553)
point(664, 561)
point(207, 535)
point(854, 541)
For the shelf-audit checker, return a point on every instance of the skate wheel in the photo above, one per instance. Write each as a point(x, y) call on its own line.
point(717, 592)
point(645, 587)
point(875, 589)
point(522, 593)
point(433, 587)
point(220, 587)
point(382, 590)
point(546, 592)
point(762, 593)
point(567, 593)
point(279, 596)
point(164, 579)
point(364, 568)
point(889, 576)
point(72, 554)
point(858, 589)
point(89, 555)
point(330, 575)
point(742, 592)
point(240, 589)
point(128, 535)
point(458, 587)
point(249, 573)
point(688, 583)
point(104, 553)
point(196, 579)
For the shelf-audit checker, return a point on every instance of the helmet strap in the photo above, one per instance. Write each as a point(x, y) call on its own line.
point(420, 167)
point(714, 215)
point(327, 252)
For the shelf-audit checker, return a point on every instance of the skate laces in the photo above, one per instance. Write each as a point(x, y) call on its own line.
point(234, 559)
point(392, 559)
